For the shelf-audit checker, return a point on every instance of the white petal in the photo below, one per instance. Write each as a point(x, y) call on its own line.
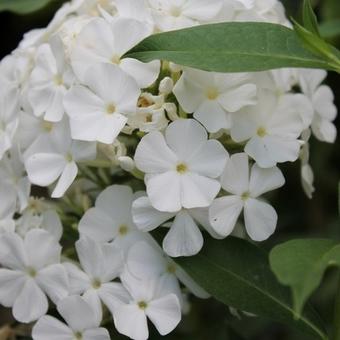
point(224, 213)
point(113, 295)
point(260, 219)
point(185, 136)
point(11, 283)
point(209, 160)
point(162, 196)
point(323, 102)
point(42, 248)
point(96, 334)
point(77, 313)
point(235, 178)
point(324, 130)
point(164, 313)
point(53, 280)
point(79, 281)
point(198, 191)
point(52, 224)
point(184, 237)
point(31, 304)
point(50, 328)
point(67, 177)
point(131, 321)
point(146, 217)
point(264, 180)
point(44, 168)
point(12, 251)
point(153, 155)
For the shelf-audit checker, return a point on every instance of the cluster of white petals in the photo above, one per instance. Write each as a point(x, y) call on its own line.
point(125, 147)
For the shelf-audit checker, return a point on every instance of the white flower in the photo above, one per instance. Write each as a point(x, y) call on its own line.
point(30, 271)
point(98, 110)
point(181, 166)
point(81, 323)
point(111, 219)
point(7, 207)
point(102, 263)
point(245, 189)
point(57, 159)
point(49, 81)
point(104, 42)
point(271, 128)
point(8, 118)
point(149, 299)
point(322, 100)
point(176, 14)
point(307, 175)
point(184, 237)
point(147, 260)
point(211, 96)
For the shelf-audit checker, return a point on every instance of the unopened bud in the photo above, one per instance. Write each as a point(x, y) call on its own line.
point(166, 86)
point(126, 163)
point(171, 110)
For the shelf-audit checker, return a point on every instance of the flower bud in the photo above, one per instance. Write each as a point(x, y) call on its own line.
point(126, 163)
point(166, 86)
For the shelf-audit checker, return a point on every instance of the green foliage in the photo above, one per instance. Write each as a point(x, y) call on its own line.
point(301, 264)
point(230, 47)
point(237, 273)
point(23, 6)
point(310, 21)
point(330, 29)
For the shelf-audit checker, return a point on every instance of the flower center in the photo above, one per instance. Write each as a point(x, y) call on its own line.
point(78, 336)
point(142, 305)
point(31, 272)
point(123, 229)
point(171, 269)
point(245, 195)
point(96, 284)
point(212, 93)
point(47, 126)
point(115, 59)
point(175, 11)
point(58, 80)
point(181, 168)
point(143, 102)
point(69, 158)
point(148, 118)
point(110, 109)
point(261, 131)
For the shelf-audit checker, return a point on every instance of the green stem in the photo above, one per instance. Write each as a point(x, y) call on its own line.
point(336, 322)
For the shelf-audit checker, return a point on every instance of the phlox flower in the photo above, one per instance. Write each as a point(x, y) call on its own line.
point(181, 166)
point(110, 220)
point(57, 161)
point(101, 263)
point(30, 271)
point(7, 207)
point(213, 96)
point(98, 109)
point(271, 129)
point(81, 322)
point(245, 187)
point(107, 42)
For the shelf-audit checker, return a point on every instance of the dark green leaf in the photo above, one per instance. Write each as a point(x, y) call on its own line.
point(330, 29)
point(237, 273)
point(310, 21)
point(301, 264)
point(229, 47)
point(23, 6)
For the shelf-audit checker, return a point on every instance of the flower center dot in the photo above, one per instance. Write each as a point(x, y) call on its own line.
point(261, 131)
point(245, 195)
point(171, 268)
point(69, 158)
point(115, 59)
point(78, 336)
point(31, 272)
point(182, 168)
point(148, 118)
point(58, 80)
point(142, 305)
point(110, 109)
point(96, 284)
point(123, 229)
point(47, 126)
point(175, 11)
point(212, 93)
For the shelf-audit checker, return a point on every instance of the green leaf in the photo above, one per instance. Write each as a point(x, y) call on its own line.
point(301, 264)
point(229, 47)
point(23, 6)
point(330, 29)
point(310, 21)
point(237, 273)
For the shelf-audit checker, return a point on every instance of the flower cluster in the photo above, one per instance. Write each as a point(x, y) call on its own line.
point(125, 147)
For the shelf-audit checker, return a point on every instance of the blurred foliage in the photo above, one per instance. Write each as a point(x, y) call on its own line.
point(298, 216)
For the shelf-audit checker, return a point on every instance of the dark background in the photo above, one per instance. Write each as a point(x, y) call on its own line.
point(298, 216)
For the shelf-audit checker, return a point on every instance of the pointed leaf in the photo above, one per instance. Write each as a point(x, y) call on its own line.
point(309, 18)
point(301, 264)
point(229, 47)
point(22, 6)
